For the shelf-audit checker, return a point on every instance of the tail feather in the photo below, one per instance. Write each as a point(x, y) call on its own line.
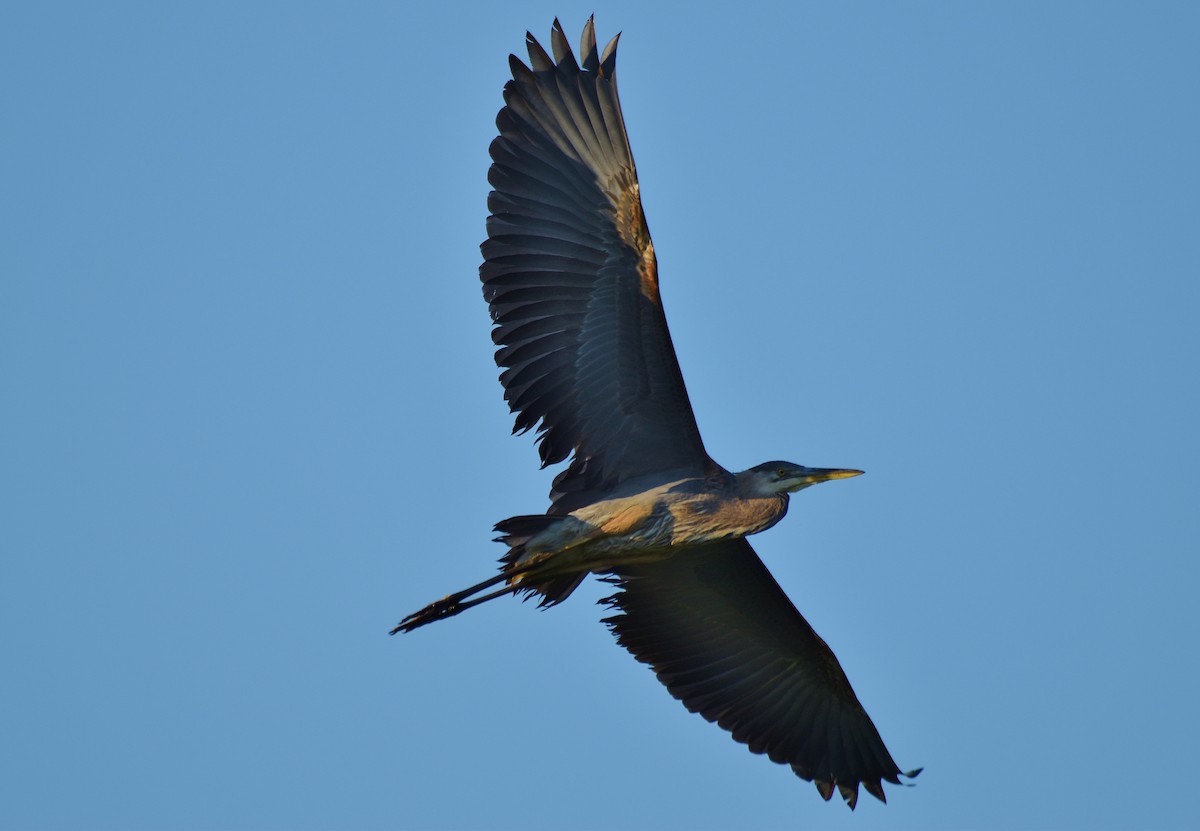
point(516, 532)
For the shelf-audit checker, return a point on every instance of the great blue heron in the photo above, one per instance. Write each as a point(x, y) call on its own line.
point(570, 275)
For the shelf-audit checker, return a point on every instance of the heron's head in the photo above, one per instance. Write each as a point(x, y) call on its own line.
point(785, 477)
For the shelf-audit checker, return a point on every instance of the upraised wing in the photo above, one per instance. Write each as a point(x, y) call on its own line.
point(571, 279)
point(726, 641)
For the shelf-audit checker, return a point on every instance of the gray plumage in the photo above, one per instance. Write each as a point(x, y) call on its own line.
point(571, 281)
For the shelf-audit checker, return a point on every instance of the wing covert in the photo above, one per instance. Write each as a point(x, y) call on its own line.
point(571, 280)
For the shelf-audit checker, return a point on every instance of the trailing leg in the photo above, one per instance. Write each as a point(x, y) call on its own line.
point(452, 604)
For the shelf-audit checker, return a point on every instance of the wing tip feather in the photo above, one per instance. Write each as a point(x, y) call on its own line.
point(608, 60)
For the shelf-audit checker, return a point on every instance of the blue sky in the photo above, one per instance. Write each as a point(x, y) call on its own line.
point(251, 416)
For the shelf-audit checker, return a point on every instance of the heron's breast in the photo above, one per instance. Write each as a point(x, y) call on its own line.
point(713, 517)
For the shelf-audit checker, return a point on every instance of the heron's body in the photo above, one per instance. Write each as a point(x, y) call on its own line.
point(571, 280)
point(645, 521)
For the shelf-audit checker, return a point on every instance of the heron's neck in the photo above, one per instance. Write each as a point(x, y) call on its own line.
point(751, 487)
point(757, 508)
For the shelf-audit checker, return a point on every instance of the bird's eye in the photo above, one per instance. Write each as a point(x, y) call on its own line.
point(781, 473)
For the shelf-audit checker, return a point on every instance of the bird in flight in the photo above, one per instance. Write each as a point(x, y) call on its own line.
point(570, 277)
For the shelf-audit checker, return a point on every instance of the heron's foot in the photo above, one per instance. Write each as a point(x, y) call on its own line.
point(448, 606)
